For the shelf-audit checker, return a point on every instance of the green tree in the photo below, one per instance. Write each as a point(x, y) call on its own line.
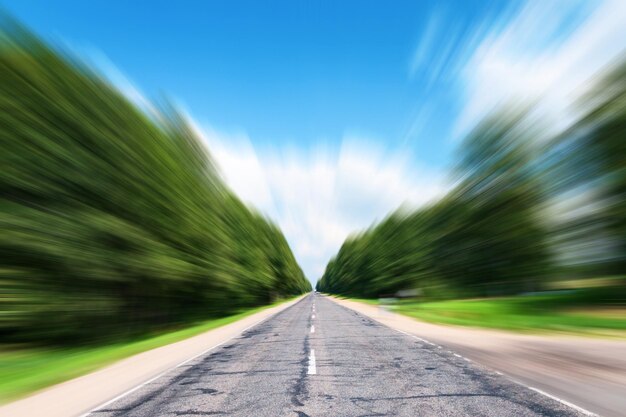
point(114, 220)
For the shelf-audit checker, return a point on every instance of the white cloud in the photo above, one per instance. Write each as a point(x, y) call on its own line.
point(240, 165)
point(319, 196)
point(529, 59)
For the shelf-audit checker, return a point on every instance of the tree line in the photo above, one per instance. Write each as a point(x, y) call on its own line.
point(114, 219)
point(527, 208)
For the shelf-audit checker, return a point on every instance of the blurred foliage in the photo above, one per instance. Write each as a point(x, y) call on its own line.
point(496, 232)
point(114, 220)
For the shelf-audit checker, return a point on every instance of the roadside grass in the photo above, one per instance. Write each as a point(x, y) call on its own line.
point(24, 371)
point(577, 312)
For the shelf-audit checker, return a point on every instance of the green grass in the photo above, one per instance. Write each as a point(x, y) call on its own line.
point(522, 313)
point(27, 370)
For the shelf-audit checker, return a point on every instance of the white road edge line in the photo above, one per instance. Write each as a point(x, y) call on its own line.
point(130, 391)
point(312, 369)
point(564, 402)
point(567, 403)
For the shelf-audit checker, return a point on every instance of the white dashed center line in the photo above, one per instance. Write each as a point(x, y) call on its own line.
point(312, 329)
point(312, 369)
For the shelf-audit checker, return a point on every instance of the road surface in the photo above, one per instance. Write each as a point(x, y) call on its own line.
point(317, 358)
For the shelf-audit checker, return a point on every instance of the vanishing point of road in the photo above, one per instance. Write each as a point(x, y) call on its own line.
point(317, 358)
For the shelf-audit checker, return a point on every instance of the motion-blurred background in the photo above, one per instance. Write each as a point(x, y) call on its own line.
point(471, 155)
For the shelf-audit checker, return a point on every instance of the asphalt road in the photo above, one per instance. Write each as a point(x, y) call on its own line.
point(317, 358)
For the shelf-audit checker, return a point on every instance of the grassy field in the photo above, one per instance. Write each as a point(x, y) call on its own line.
point(571, 312)
point(27, 370)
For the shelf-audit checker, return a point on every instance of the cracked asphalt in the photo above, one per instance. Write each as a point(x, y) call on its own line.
point(361, 368)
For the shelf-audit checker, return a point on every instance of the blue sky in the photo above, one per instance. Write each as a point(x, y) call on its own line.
point(327, 115)
point(289, 72)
